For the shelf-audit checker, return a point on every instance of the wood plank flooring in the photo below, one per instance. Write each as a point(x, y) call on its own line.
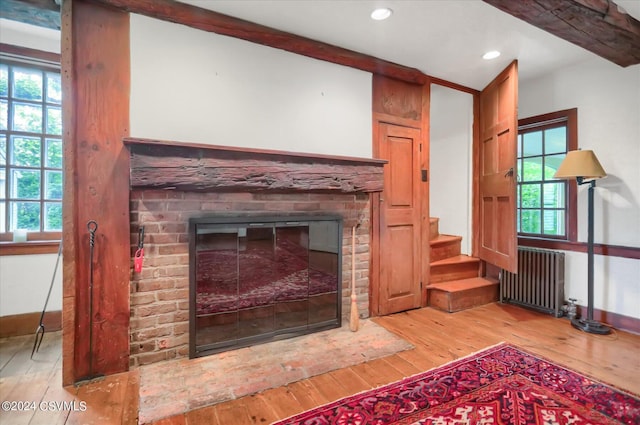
point(438, 337)
point(38, 381)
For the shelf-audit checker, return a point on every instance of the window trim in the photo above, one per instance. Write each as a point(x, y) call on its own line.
point(37, 242)
point(570, 116)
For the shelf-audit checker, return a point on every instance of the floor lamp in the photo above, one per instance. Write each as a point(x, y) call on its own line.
point(585, 168)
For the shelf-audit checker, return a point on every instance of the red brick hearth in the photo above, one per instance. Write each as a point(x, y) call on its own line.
point(159, 327)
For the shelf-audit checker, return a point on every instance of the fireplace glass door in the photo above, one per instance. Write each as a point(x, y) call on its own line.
point(260, 280)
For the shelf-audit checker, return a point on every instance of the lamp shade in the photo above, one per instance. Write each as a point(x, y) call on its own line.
point(580, 164)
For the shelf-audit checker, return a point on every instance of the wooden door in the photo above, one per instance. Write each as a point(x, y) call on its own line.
point(400, 214)
point(497, 234)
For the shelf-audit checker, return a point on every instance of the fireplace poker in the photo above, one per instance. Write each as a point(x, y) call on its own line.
point(92, 226)
point(40, 329)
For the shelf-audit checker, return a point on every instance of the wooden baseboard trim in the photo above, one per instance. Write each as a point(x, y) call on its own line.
point(615, 320)
point(27, 323)
point(598, 249)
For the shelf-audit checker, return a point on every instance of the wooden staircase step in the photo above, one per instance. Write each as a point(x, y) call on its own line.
point(458, 259)
point(455, 268)
point(462, 294)
point(464, 284)
point(444, 239)
point(433, 227)
point(444, 246)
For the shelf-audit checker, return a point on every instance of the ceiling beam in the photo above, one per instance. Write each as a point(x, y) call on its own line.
point(50, 5)
point(208, 20)
point(596, 25)
point(43, 13)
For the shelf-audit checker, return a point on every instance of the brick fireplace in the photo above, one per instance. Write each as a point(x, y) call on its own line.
point(172, 183)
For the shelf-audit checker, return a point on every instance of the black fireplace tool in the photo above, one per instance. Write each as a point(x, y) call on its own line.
point(40, 329)
point(92, 227)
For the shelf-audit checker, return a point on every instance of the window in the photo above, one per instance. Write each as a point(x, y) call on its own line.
point(31, 182)
point(546, 206)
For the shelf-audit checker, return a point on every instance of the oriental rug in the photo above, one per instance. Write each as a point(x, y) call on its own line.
point(500, 385)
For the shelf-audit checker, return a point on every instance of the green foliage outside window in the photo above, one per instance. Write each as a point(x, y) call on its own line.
point(540, 198)
point(27, 84)
point(26, 152)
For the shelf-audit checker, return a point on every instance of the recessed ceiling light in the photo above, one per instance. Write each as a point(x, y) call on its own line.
point(491, 55)
point(381, 14)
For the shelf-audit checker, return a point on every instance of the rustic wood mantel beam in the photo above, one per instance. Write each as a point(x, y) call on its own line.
point(198, 167)
point(208, 20)
point(596, 25)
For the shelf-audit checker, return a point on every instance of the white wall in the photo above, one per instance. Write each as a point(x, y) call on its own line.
point(25, 279)
point(616, 282)
point(608, 101)
point(451, 141)
point(195, 86)
point(31, 36)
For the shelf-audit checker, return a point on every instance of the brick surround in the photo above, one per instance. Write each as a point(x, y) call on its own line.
point(159, 328)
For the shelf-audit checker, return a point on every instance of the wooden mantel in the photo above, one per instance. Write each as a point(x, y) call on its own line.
point(157, 164)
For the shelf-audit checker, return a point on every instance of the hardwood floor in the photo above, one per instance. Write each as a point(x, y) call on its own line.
point(438, 337)
point(35, 387)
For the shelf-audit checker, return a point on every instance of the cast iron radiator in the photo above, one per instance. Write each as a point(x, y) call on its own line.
point(539, 283)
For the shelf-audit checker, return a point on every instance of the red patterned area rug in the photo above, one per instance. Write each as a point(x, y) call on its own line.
point(500, 385)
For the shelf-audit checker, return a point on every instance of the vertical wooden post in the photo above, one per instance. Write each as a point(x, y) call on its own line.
point(95, 73)
point(425, 218)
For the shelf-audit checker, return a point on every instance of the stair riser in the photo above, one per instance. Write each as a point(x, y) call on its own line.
point(445, 250)
point(447, 272)
point(462, 300)
point(433, 229)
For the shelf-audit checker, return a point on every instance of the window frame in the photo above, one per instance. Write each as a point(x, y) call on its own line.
point(37, 242)
point(541, 122)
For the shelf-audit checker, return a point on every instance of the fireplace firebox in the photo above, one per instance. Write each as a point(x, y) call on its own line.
point(254, 279)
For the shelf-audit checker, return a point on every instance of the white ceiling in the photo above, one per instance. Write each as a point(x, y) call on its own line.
point(441, 38)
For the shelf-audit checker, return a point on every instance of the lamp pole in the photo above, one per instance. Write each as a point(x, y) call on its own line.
point(590, 251)
point(588, 324)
